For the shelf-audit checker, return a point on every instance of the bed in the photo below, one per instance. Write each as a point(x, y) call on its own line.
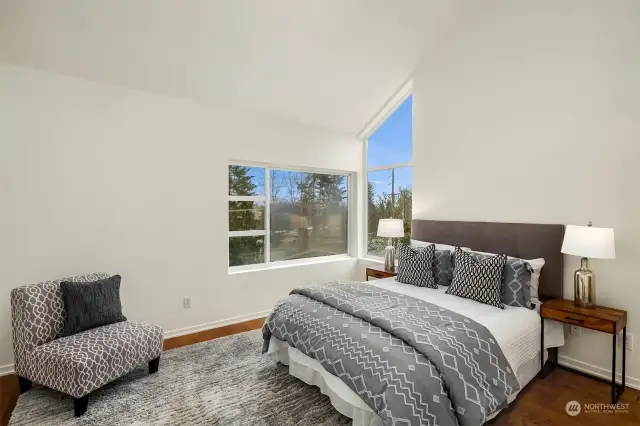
point(404, 380)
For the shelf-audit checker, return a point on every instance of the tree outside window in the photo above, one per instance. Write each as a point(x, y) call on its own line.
point(389, 183)
point(294, 215)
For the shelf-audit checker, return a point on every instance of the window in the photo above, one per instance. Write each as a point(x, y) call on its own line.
point(389, 154)
point(279, 215)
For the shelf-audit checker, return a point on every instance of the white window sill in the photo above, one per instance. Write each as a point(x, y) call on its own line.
point(371, 259)
point(233, 270)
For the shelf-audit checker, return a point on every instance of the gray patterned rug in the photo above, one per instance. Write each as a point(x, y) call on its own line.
point(221, 382)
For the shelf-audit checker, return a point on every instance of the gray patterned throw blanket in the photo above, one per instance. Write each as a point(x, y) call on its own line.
point(412, 362)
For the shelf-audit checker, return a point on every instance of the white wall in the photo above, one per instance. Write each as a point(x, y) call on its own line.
point(96, 177)
point(531, 113)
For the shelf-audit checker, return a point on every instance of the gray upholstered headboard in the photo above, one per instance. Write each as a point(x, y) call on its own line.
point(523, 240)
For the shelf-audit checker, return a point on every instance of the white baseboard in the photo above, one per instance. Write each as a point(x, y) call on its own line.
point(603, 373)
point(8, 369)
point(214, 324)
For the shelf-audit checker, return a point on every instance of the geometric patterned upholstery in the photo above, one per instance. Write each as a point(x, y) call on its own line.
point(37, 318)
point(79, 364)
point(38, 314)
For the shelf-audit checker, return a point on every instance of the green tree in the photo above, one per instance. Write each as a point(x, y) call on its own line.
point(385, 205)
point(322, 199)
point(317, 203)
point(243, 217)
point(403, 211)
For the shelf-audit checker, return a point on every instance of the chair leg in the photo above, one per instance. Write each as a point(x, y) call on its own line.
point(153, 365)
point(24, 384)
point(80, 405)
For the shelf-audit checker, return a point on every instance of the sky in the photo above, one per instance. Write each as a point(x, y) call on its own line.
point(391, 143)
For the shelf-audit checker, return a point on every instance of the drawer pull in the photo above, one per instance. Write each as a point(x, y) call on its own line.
point(575, 319)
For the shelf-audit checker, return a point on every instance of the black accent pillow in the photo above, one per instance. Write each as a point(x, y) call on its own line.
point(415, 266)
point(479, 280)
point(91, 304)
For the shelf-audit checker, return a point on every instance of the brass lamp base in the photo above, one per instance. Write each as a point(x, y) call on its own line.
point(584, 281)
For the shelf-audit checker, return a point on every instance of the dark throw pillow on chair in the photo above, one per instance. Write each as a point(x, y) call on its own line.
point(91, 304)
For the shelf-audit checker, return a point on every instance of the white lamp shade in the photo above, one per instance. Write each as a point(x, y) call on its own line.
point(587, 241)
point(390, 228)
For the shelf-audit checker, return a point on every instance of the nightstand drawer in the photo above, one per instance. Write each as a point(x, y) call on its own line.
point(579, 319)
point(379, 274)
point(376, 273)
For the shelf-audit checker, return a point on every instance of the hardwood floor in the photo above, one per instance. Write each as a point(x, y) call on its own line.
point(541, 403)
point(212, 333)
point(9, 392)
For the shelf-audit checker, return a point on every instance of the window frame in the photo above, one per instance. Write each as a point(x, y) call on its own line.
point(266, 232)
point(385, 112)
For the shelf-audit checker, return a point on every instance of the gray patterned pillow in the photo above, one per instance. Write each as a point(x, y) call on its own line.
point(91, 304)
point(516, 281)
point(443, 267)
point(415, 266)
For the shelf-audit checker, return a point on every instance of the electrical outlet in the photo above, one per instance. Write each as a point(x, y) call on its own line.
point(575, 330)
point(629, 341)
point(187, 302)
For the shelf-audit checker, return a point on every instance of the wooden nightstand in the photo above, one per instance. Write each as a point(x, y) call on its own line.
point(606, 320)
point(379, 273)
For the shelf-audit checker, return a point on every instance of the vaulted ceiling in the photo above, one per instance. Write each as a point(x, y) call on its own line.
point(328, 62)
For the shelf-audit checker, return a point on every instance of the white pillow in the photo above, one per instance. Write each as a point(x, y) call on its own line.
point(417, 243)
point(537, 265)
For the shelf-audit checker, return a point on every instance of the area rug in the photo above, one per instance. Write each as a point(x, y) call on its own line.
point(226, 381)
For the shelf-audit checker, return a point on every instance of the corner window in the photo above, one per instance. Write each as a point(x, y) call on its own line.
point(279, 215)
point(389, 180)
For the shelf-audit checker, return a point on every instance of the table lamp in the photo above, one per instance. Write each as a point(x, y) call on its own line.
point(390, 228)
point(587, 241)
